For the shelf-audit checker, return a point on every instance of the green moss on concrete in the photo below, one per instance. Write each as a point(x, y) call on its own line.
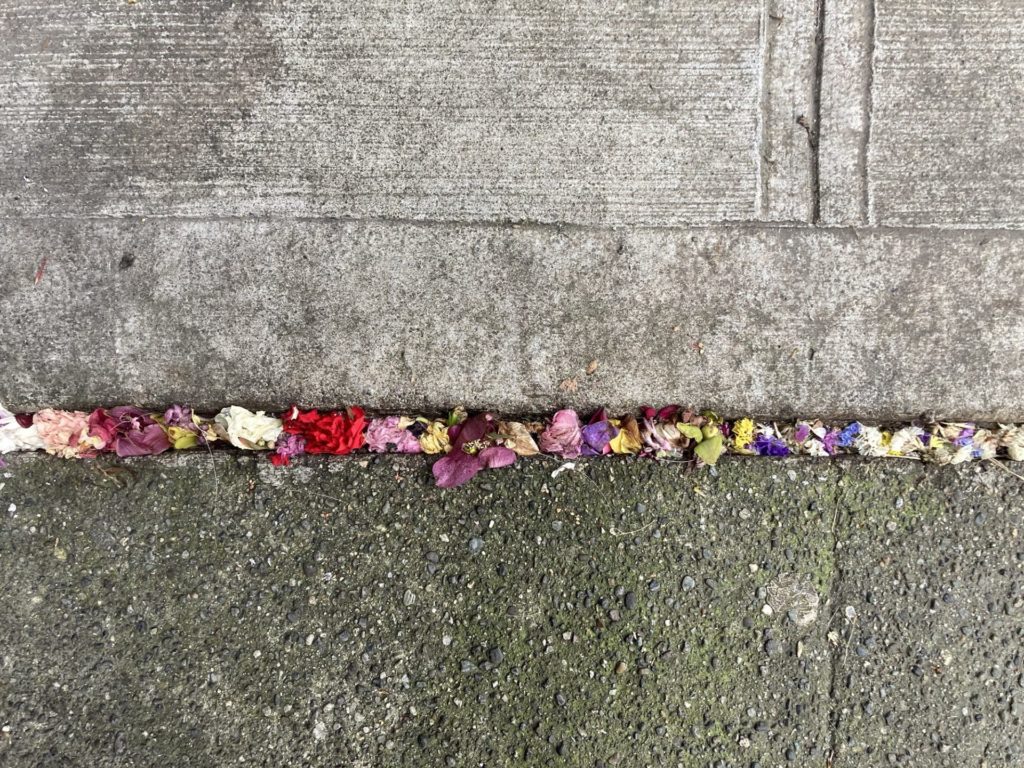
point(214, 609)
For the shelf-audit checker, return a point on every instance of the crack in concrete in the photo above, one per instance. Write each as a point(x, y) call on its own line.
point(763, 115)
point(833, 608)
point(854, 231)
point(814, 131)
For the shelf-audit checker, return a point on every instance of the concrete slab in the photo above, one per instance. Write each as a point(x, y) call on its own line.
point(946, 122)
point(929, 622)
point(213, 607)
point(879, 324)
point(213, 610)
point(596, 112)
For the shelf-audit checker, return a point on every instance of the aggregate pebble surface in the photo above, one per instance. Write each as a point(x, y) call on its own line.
point(213, 610)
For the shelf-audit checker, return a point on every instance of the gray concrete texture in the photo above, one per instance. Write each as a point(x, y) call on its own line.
point(792, 321)
point(341, 198)
point(212, 610)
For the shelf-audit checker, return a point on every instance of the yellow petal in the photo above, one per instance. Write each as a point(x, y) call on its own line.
point(628, 440)
point(710, 449)
point(690, 431)
point(182, 438)
point(710, 430)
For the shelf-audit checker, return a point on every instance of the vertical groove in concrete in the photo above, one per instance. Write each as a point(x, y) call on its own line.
point(760, 144)
point(831, 606)
point(815, 133)
point(786, 114)
point(844, 109)
point(869, 81)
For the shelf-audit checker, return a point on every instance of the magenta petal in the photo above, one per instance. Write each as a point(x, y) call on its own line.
point(455, 469)
point(103, 426)
point(497, 456)
point(473, 428)
point(668, 413)
point(147, 441)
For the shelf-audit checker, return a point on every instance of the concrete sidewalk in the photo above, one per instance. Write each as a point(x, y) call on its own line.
point(421, 204)
point(215, 611)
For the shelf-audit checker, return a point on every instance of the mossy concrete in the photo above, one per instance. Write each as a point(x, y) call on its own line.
point(213, 610)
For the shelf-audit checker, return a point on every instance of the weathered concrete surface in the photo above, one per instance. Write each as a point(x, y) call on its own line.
point(931, 663)
point(289, 152)
point(211, 610)
point(624, 113)
point(836, 323)
point(946, 119)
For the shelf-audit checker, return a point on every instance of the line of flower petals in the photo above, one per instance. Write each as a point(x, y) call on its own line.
point(468, 443)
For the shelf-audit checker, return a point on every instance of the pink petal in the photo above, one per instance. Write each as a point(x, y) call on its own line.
point(455, 469)
point(497, 456)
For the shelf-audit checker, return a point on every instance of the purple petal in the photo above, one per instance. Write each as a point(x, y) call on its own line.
point(597, 436)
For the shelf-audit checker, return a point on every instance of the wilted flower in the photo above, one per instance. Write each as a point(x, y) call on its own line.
point(435, 438)
point(908, 441)
point(711, 445)
point(743, 435)
point(985, 444)
point(102, 430)
point(830, 441)
point(1012, 438)
point(247, 430)
point(628, 440)
point(870, 441)
point(564, 436)
point(516, 437)
point(470, 453)
point(185, 429)
point(767, 444)
point(596, 438)
point(336, 432)
point(64, 433)
point(661, 436)
point(286, 448)
point(16, 437)
point(848, 435)
point(392, 431)
point(137, 433)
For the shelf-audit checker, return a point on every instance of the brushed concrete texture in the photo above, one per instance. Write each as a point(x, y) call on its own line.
point(874, 324)
point(591, 112)
point(947, 114)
